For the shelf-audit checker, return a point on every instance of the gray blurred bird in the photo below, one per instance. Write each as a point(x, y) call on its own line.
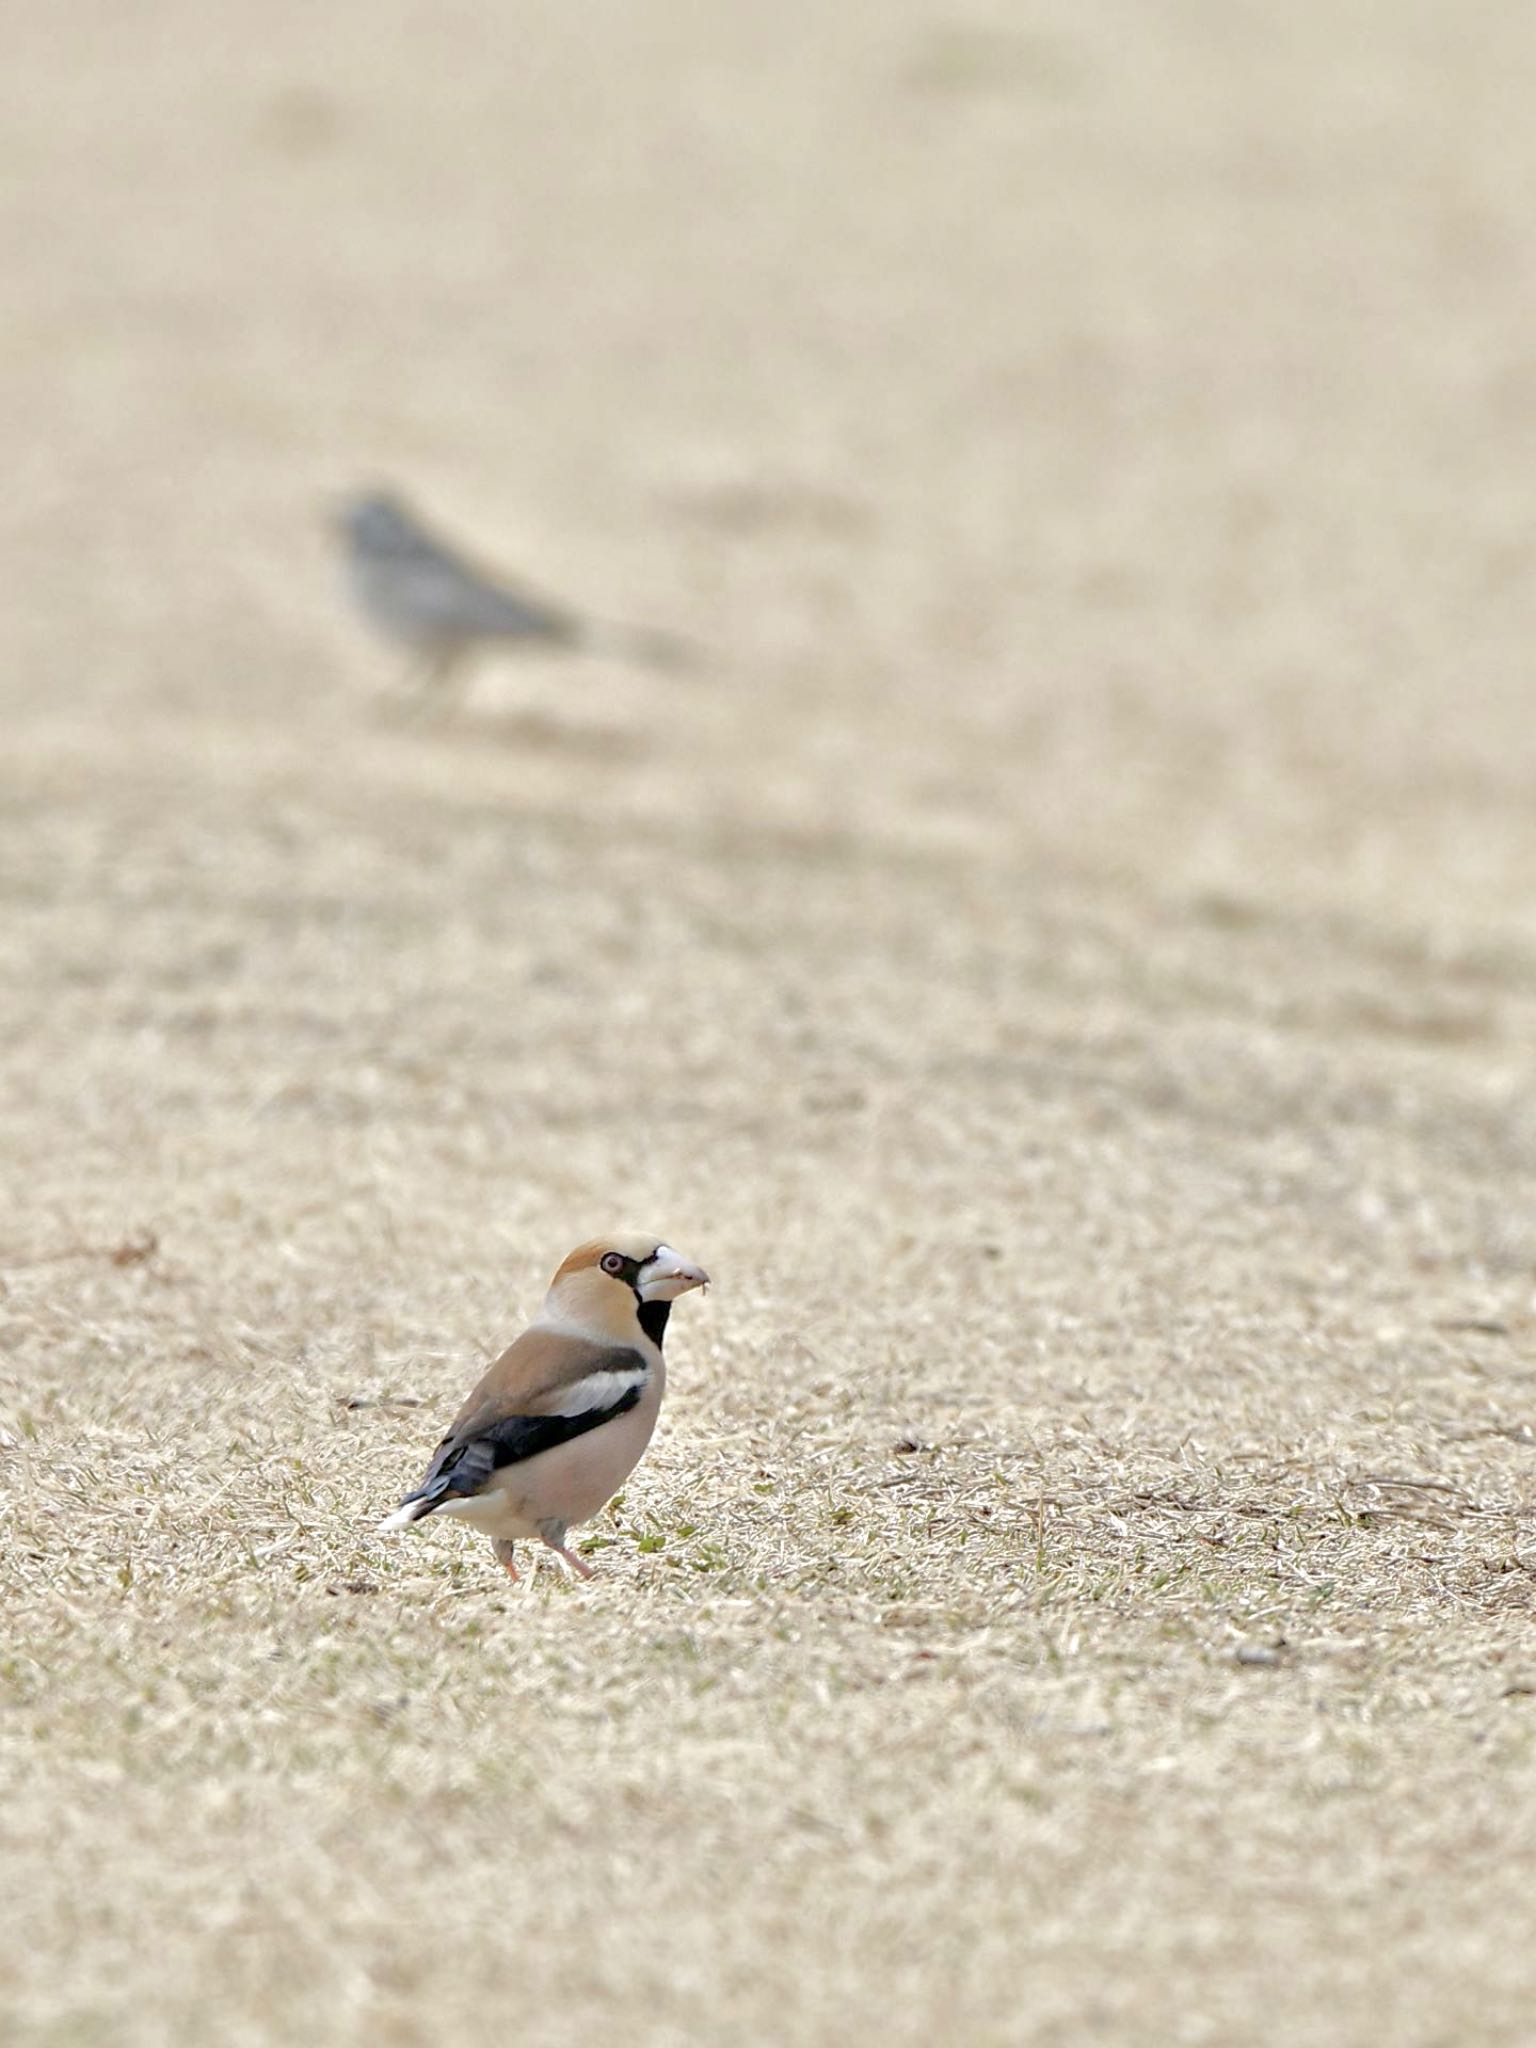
point(420, 593)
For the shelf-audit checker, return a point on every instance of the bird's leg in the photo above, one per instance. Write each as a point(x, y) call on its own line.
point(442, 675)
point(428, 685)
point(553, 1534)
point(503, 1550)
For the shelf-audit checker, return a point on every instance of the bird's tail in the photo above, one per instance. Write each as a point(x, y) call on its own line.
point(411, 1510)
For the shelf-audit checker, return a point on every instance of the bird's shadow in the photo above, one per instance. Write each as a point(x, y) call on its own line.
point(468, 724)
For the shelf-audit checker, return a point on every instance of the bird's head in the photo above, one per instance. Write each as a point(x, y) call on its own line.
point(611, 1283)
point(378, 524)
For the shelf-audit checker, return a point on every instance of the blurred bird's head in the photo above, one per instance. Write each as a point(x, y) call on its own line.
point(380, 525)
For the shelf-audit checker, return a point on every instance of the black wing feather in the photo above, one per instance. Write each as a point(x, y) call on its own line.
point(464, 1462)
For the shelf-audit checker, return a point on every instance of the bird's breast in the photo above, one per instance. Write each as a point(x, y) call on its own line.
point(576, 1479)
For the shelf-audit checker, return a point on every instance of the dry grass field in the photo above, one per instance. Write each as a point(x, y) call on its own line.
point(1065, 958)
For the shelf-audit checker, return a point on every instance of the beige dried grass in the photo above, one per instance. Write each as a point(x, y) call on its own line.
point(1067, 965)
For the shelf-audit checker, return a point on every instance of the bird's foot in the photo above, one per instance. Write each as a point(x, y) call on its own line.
point(503, 1552)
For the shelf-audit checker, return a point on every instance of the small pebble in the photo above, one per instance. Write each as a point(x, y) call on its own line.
point(1257, 1653)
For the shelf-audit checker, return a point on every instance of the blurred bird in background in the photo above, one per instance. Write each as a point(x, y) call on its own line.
point(421, 594)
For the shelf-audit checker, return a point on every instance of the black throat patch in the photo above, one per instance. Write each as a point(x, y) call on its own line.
point(653, 1319)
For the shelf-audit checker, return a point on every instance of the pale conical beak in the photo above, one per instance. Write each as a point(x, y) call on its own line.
point(667, 1275)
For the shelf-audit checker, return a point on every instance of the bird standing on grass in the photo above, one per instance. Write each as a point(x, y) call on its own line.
point(419, 592)
point(562, 1418)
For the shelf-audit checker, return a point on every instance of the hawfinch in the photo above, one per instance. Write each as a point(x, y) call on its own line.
point(562, 1418)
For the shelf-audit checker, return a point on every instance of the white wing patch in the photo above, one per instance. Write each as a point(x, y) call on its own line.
point(598, 1390)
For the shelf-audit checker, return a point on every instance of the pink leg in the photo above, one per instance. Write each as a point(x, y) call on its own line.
point(577, 1564)
point(553, 1534)
point(503, 1551)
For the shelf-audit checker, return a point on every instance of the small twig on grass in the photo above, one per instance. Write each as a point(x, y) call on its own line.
point(906, 1446)
point(132, 1251)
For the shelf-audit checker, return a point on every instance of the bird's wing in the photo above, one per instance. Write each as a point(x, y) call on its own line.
point(543, 1390)
point(449, 591)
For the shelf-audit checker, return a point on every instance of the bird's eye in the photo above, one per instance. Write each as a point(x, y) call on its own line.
point(613, 1262)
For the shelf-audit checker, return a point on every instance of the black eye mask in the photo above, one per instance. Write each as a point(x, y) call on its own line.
point(651, 1315)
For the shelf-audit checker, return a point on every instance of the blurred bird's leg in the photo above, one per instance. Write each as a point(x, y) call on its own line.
point(553, 1534)
point(503, 1550)
point(430, 683)
point(440, 676)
